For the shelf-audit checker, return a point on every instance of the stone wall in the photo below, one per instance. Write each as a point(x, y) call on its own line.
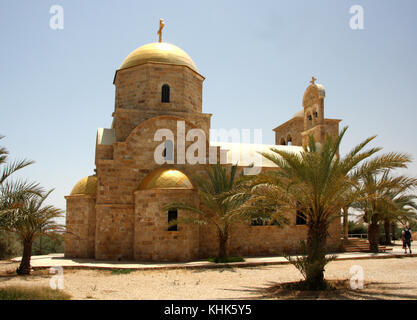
point(291, 128)
point(248, 240)
point(114, 232)
point(152, 240)
point(81, 224)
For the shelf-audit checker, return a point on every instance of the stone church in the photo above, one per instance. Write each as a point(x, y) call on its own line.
point(116, 213)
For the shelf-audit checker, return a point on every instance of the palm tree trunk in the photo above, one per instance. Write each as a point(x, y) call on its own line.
point(222, 245)
point(393, 231)
point(24, 268)
point(373, 235)
point(316, 254)
point(40, 245)
point(387, 231)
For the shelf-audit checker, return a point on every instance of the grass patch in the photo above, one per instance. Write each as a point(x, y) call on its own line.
point(37, 293)
point(339, 289)
point(121, 271)
point(226, 260)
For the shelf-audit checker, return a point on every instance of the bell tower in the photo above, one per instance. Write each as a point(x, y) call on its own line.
point(308, 121)
point(314, 121)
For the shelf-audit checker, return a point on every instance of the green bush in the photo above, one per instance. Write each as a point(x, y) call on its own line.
point(121, 271)
point(25, 293)
point(357, 228)
point(46, 245)
point(226, 260)
point(10, 245)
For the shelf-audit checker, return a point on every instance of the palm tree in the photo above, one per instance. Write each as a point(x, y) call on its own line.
point(403, 210)
point(217, 207)
point(12, 190)
point(317, 182)
point(382, 198)
point(28, 217)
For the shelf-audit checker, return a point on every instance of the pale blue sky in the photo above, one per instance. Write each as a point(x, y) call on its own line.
point(257, 56)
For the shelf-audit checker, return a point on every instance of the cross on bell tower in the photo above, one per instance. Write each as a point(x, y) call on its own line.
point(313, 80)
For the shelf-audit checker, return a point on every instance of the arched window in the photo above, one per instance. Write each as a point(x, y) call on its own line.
point(289, 140)
point(165, 93)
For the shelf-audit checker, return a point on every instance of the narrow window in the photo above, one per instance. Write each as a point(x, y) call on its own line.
point(300, 218)
point(168, 153)
point(310, 117)
point(172, 216)
point(165, 93)
point(315, 114)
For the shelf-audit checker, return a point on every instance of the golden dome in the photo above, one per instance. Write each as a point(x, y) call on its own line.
point(166, 179)
point(162, 52)
point(87, 185)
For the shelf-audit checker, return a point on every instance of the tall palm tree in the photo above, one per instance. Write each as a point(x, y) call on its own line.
point(381, 197)
point(28, 217)
point(317, 182)
point(217, 207)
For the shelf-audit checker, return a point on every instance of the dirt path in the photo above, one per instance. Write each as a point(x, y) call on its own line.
point(384, 279)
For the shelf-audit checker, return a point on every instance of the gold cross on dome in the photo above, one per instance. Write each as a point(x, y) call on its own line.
point(161, 26)
point(313, 80)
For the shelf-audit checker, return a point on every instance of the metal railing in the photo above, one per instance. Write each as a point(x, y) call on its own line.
point(358, 235)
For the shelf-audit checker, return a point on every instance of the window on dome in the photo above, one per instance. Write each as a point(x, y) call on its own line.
point(165, 93)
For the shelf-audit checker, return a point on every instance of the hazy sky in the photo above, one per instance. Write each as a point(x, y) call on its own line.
point(257, 56)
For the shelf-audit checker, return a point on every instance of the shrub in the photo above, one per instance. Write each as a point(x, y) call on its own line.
point(10, 245)
point(357, 228)
point(121, 271)
point(45, 245)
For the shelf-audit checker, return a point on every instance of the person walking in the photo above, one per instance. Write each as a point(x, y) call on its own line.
point(406, 238)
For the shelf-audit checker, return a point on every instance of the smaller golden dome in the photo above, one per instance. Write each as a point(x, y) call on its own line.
point(166, 179)
point(86, 186)
point(161, 52)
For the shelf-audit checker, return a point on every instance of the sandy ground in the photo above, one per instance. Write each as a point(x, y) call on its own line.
point(394, 278)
